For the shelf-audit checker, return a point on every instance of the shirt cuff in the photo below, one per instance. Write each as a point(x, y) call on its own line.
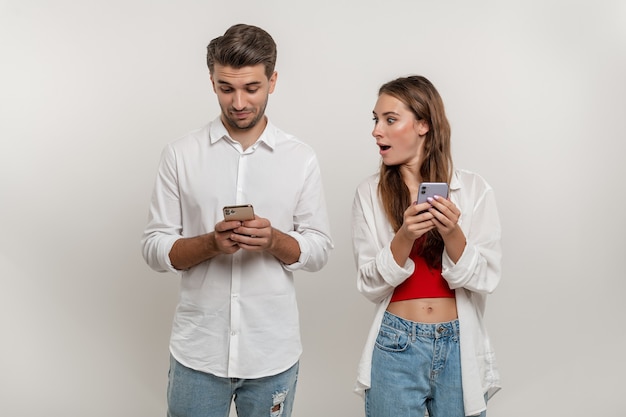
point(164, 254)
point(305, 252)
point(455, 273)
point(391, 272)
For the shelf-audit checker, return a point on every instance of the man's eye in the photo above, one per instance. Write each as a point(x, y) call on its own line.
point(252, 91)
point(226, 90)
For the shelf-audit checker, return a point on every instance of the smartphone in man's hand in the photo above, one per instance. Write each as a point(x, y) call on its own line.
point(241, 212)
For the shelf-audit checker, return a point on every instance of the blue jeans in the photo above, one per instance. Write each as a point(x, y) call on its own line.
point(415, 367)
point(192, 393)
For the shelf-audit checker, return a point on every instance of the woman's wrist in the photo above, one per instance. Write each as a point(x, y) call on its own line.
point(454, 243)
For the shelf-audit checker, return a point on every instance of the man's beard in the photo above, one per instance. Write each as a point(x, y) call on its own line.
point(236, 125)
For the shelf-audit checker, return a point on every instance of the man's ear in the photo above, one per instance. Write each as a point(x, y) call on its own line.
point(212, 83)
point(272, 81)
point(422, 127)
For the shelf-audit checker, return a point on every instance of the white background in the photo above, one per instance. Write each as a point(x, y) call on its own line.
point(90, 92)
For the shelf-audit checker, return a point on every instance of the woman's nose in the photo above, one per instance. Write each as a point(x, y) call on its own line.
point(376, 131)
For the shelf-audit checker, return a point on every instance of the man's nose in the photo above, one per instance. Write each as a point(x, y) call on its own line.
point(239, 101)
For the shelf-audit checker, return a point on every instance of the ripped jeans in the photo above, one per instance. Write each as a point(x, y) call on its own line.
point(192, 393)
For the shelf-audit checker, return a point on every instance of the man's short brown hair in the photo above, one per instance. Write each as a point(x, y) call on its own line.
point(242, 46)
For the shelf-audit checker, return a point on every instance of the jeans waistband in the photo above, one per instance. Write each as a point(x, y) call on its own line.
point(432, 330)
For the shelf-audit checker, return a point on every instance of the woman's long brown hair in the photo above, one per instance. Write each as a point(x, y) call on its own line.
point(421, 97)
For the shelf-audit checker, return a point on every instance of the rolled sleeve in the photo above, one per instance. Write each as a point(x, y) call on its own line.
point(377, 278)
point(164, 217)
point(314, 251)
point(478, 268)
point(156, 252)
point(389, 269)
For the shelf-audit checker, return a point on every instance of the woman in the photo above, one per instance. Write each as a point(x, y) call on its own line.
point(428, 267)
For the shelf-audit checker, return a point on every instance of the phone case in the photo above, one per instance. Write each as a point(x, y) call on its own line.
point(241, 212)
point(430, 189)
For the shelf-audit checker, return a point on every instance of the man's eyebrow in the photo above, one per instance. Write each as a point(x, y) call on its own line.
point(222, 82)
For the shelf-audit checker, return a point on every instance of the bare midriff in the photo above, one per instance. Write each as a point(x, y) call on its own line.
point(425, 310)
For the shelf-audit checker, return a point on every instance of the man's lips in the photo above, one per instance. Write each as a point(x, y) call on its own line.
point(241, 114)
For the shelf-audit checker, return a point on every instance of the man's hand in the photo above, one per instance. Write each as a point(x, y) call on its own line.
point(191, 251)
point(228, 237)
point(258, 235)
point(253, 235)
point(223, 232)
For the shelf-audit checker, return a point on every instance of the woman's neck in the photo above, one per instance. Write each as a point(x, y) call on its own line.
point(412, 179)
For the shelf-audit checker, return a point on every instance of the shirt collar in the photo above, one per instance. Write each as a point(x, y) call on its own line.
point(455, 183)
point(217, 132)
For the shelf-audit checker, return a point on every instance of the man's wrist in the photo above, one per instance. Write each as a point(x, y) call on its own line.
point(210, 243)
point(284, 247)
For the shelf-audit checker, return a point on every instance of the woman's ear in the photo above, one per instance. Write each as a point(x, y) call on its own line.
point(421, 127)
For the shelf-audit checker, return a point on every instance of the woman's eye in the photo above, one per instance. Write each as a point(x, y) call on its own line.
point(390, 120)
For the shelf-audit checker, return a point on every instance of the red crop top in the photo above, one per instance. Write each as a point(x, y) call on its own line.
point(425, 282)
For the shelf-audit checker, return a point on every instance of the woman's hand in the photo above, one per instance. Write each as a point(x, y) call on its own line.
point(445, 218)
point(445, 214)
point(417, 221)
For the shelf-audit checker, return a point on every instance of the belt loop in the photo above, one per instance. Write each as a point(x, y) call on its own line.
point(413, 331)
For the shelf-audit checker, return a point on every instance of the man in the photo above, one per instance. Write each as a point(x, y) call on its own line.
point(236, 329)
